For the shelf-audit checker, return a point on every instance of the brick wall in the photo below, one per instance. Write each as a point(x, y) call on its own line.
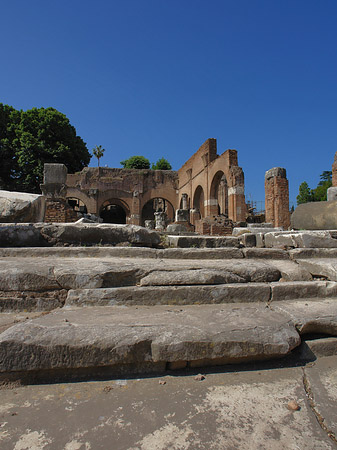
point(58, 211)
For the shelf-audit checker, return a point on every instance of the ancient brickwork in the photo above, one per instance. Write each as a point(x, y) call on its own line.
point(277, 197)
point(58, 211)
point(214, 183)
point(334, 171)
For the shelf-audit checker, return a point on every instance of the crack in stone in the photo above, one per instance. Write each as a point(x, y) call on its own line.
point(320, 419)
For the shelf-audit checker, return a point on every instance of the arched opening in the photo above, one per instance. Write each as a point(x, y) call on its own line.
point(219, 194)
point(198, 201)
point(157, 204)
point(113, 211)
point(77, 205)
point(184, 202)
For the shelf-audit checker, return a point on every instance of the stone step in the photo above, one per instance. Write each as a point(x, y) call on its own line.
point(203, 241)
point(194, 295)
point(42, 274)
point(143, 252)
point(119, 340)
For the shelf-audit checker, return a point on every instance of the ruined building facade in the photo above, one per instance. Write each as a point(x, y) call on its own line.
point(207, 184)
point(206, 193)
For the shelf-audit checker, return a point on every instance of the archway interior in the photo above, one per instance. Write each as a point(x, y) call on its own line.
point(77, 205)
point(198, 201)
point(219, 192)
point(113, 213)
point(157, 204)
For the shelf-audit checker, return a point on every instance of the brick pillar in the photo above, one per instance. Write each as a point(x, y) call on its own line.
point(277, 197)
point(334, 171)
point(236, 203)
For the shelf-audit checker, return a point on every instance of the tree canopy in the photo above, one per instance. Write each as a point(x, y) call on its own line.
point(28, 139)
point(136, 162)
point(98, 151)
point(162, 164)
point(318, 194)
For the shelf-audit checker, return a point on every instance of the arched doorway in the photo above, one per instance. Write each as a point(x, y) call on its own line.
point(157, 204)
point(219, 194)
point(77, 205)
point(114, 211)
point(198, 200)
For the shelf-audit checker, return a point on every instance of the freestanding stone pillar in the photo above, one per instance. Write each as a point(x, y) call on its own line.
point(277, 197)
point(54, 188)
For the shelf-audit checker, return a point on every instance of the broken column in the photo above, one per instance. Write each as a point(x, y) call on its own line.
point(332, 191)
point(54, 188)
point(277, 197)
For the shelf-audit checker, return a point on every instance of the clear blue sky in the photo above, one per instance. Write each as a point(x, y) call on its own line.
point(159, 77)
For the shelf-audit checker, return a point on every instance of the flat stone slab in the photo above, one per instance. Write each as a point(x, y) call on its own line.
point(203, 241)
point(318, 316)
point(118, 336)
point(170, 295)
point(301, 239)
point(42, 234)
point(39, 274)
point(326, 268)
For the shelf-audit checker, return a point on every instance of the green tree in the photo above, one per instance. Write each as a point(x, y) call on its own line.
point(9, 119)
point(98, 151)
point(318, 194)
point(34, 137)
point(305, 194)
point(136, 162)
point(162, 164)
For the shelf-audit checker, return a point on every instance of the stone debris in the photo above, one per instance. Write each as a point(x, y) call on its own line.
point(199, 377)
point(293, 405)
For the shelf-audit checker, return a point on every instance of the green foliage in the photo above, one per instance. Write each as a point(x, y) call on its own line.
point(318, 194)
point(28, 139)
point(305, 194)
point(98, 151)
point(162, 164)
point(136, 162)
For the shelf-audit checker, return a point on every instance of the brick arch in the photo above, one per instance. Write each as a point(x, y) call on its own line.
point(124, 197)
point(121, 214)
point(199, 200)
point(147, 213)
point(89, 202)
point(167, 194)
point(218, 196)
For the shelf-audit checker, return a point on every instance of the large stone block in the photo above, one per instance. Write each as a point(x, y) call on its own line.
point(21, 207)
point(315, 216)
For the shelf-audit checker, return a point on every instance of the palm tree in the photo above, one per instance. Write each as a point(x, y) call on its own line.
point(98, 151)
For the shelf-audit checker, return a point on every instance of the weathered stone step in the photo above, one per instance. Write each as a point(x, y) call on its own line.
point(41, 274)
point(143, 252)
point(214, 294)
point(126, 340)
point(203, 241)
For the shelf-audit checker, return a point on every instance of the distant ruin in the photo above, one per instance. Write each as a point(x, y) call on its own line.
point(205, 195)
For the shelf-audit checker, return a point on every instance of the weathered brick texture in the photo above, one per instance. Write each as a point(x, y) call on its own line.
point(277, 198)
point(334, 171)
point(58, 211)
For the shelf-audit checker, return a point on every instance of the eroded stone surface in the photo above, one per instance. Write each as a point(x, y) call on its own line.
point(318, 316)
point(171, 295)
point(91, 337)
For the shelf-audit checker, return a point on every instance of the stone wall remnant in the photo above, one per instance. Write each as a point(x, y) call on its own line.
point(277, 197)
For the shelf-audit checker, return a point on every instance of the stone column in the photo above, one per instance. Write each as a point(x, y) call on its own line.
point(236, 203)
point(54, 188)
point(277, 197)
point(160, 220)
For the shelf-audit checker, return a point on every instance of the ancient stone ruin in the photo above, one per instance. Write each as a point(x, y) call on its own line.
point(117, 299)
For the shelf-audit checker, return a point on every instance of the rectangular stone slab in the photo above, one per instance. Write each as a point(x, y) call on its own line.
point(113, 336)
point(170, 295)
